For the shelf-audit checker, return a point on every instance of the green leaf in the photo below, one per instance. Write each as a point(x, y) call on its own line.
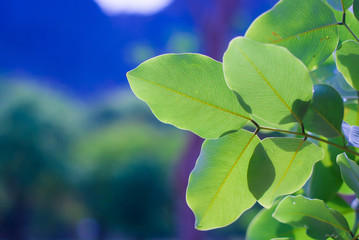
point(308, 28)
point(347, 57)
point(264, 226)
point(281, 166)
point(326, 179)
point(274, 84)
point(188, 91)
point(321, 222)
point(356, 9)
point(325, 112)
point(342, 206)
point(350, 172)
point(218, 190)
point(340, 5)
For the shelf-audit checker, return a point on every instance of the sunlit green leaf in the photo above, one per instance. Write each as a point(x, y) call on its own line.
point(188, 91)
point(350, 172)
point(307, 28)
point(269, 80)
point(325, 112)
point(340, 5)
point(347, 61)
point(218, 190)
point(320, 221)
point(281, 166)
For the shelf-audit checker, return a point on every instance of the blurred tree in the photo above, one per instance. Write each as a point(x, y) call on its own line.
point(33, 162)
point(125, 177)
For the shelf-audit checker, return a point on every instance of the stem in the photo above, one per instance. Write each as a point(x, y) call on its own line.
point(346, 25)
point(312, 137)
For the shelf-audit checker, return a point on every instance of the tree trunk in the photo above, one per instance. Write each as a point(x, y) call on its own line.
point(213, 26)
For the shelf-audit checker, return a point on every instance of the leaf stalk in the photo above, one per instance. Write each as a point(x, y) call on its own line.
point(306, 135)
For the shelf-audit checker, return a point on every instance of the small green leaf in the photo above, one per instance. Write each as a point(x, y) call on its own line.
point(320, 221)
point(326, 179)
point(218, 190)
point(325, 112)
point(347, 57)
point(340, 5)
point(356, 9)
point(188, 91)
point(264, 226)
point(308, 28)
point(350, 172)
point(274, 84)
point(281, 166)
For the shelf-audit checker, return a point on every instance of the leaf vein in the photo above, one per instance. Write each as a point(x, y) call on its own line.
point(290, 164)
point(326, 120)
point(195, 99)
point(303, 33)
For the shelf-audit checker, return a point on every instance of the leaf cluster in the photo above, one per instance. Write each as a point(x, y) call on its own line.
point(264, 85)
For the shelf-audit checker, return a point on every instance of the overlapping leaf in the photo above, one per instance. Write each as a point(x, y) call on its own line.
point(188, 91)
point(326, 179)
point(320, 221)
point(274, 84)
point(281, 166)
point(218, 190)
point(347, 57)
point(310, 33)
point(264, 226)
point(340, 205)
point(325, 112)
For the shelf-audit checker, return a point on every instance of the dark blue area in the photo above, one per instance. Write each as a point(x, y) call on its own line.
point(74, 45)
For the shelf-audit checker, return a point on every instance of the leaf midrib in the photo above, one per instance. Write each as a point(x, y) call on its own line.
point(326, 120)
point(319, 219)
point(190, 97)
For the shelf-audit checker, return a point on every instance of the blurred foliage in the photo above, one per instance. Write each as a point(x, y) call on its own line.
point(62, 161)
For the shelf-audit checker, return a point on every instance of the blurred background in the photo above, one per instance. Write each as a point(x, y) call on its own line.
point(80, 156)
